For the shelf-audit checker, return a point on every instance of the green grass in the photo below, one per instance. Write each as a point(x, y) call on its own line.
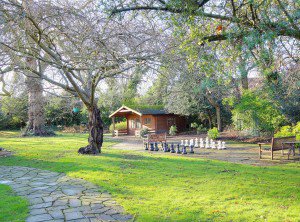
point(12, 208)
point(158, 187)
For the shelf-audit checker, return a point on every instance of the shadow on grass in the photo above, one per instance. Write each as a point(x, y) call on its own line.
point(160, 187)
point(147, 164)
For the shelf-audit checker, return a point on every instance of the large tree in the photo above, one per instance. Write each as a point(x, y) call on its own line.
point(252, 27)
point(198, 88)
point(36, 124)
point(80, 45)
point(36, 119)
point(237, 18)
point(250, 33)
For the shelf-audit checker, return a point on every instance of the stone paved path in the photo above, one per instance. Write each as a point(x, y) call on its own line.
point(57, 197)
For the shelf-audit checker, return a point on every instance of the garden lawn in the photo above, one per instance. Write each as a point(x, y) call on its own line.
point(12, 208)
point(167, 188)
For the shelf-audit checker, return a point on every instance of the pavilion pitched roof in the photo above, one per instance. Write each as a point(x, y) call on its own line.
point(139, 111)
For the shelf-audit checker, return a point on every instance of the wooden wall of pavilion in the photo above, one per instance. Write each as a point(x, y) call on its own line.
point(157, 123)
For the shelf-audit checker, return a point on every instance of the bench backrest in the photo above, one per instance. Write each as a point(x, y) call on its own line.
point(161, 137)
point(119, 132)
point(277, 142)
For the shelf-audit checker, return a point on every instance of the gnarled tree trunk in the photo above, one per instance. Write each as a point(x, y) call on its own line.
point(36, 117)
point(95, 132)
point(36, 120)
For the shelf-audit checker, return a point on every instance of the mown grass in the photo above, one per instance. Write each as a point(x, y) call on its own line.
point(12, 207)
point(168, 188)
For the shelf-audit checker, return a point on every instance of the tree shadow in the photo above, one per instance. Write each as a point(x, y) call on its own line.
point(128, 174)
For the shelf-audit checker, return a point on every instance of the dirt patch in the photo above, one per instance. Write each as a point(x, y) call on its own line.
point(133, 157)
point(247, 139)
point(75, 129)
point(238, 137)
point(4, 153)
point(242, 153)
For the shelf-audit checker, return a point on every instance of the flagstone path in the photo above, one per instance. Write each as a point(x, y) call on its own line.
point(56, 197)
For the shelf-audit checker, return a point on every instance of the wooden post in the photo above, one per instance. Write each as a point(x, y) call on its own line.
point(138, 129)
point(113, 122)
point(141, 126)
point(155, 130)
point(272, 145)
point(259, 151)
point(127, 125)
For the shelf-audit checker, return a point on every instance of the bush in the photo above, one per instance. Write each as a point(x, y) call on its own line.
point(194, 125)
point(201, 129)
point(144, 132)
point(173, 130)
point(13, 112)
point(289, 131)
point(284, 131)
point(256, 113)
point(296, 129)
point(213, 133)
point(118, 126)
point(59, 111)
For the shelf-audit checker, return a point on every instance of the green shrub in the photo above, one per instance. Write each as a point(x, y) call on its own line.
point(284, 132)
point(194, 125)
point(173, 130)
point(213, 133)
point(296, 129)
point(144, 132)
point(289, 131)
point(256, 113)
point(59, 112)
point(201, 129)
point(118, 126)
point(13, 112)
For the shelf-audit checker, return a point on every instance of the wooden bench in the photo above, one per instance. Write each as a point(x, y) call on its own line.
point(275, 145)
point(138, 133)
point(155, 138)
point(120, 132)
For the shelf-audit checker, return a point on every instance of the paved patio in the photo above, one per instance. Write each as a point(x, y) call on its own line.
point(56, 197)
point(236, 153)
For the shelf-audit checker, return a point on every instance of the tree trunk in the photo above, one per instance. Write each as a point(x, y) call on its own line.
point(244, 73)
point(207, 118)
point(237, 89)
point(217, 106)
point(36, 117)
point(95, 132)
point(245, 84)
point(218, 113)
point(209, 121)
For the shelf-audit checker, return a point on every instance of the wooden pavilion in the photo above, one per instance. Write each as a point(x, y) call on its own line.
point(156, 120)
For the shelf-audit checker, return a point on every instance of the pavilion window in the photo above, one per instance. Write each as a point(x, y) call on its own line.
point(138, 124)
point(147, 121)
point(132, 124)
